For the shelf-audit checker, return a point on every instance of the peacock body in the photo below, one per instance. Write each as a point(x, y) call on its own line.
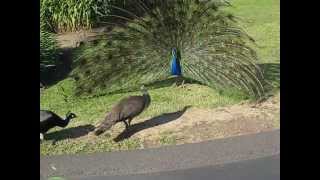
point(175, 64)
point(203, 40)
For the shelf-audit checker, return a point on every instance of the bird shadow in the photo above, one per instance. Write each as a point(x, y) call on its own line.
point(155, 121)
point(70, 133)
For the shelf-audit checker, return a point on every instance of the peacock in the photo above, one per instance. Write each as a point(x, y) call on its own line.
point(127, 109)
point(194, 39)
point(49, 120)
point(175, 64)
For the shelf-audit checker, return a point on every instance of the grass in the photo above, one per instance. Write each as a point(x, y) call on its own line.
point(93, 110)
point(167, 139)
point(260, 19)
point(166, 99)
point(70, 15)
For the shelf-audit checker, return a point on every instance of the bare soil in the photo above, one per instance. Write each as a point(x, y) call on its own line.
point(196, 124)
point(73, 39)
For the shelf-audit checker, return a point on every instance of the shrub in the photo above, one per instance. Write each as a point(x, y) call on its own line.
point(48, 52)
point(72, 15)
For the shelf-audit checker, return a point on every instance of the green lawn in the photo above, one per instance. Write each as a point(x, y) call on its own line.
point(261, 18)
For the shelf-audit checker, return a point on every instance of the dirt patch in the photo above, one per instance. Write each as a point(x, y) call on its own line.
point(191, 125)
point(73, 39)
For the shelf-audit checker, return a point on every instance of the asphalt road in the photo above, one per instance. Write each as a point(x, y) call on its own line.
point(247, 157)
point(267, 168)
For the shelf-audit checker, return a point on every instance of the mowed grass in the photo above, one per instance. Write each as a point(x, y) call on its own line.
point(260, 18)
point(93, 110)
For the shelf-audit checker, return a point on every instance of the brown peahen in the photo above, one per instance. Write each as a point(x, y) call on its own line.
point(127, 109)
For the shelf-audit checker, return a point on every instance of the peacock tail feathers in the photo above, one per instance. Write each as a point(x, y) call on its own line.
point(214, 50)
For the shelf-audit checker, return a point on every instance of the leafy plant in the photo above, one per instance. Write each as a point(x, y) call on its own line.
point(48, 51)
point(214, 49)
point(72, 15)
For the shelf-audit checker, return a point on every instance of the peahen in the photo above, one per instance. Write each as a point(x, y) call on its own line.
point(127, 109)
point(205, 42)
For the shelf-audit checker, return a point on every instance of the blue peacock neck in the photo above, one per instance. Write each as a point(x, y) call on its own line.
point(175, 63)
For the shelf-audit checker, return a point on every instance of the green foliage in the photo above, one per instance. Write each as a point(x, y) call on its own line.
point(72, 15)
point(214, 49)
point(48, 51)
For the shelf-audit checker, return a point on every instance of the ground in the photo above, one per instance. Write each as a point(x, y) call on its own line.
point(188, 125)
point(199, 124)
point(212, 115)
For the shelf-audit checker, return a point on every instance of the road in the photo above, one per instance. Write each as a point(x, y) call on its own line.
point(255, 156)
point(267, 168)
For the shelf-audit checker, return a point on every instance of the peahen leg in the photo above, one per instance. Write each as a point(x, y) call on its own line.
point(127, 125)
point(129, 121)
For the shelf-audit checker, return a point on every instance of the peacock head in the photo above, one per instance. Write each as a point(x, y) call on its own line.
point(71, 115)
point(174, 53)
point(144, 90)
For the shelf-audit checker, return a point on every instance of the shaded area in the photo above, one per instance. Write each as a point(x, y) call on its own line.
point(93, 36)
point(171, 81)
point(62, 70)
point(70, 133)
point(156, 121)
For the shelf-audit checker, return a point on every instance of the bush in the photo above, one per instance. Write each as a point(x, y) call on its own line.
point(72, 15)
point(48, 52)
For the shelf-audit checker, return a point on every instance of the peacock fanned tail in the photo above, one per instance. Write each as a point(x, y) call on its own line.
point(214, 49)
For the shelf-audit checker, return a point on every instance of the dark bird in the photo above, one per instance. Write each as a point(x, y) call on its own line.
point(49, 120)
point(127, 109)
